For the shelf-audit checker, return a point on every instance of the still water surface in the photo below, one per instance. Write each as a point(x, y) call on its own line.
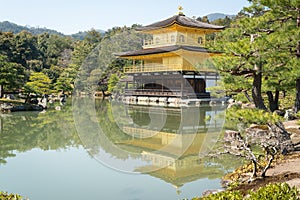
point(59, 155)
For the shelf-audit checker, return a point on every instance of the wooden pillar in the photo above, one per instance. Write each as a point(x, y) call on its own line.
point(1, 125)
point(297, 101)
point(162, 83)
point(194, 87)
point(182, 85)
point(142, 66)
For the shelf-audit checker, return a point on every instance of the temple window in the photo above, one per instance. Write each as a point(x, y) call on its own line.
point(157, 40)
point(172, 38)
point(200, 40)
point(181, 38)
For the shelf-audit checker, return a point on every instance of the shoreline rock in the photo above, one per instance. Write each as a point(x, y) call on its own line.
point(25, 107)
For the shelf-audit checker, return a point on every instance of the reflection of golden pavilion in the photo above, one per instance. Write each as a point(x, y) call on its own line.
point(171, 63)
point(174, 148)
point(179, 171)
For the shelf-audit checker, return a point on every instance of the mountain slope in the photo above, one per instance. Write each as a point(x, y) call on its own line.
point(215, 16)
point(15, 28)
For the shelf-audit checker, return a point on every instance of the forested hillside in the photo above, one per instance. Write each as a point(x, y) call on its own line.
point(15, 28)
point(7, 26)
point(45, 64)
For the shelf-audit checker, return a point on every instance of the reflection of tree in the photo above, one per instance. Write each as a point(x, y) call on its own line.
point(97, 127)
point(27, 130)
point(140, 118)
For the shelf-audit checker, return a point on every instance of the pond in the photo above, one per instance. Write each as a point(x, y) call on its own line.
point(94, 149)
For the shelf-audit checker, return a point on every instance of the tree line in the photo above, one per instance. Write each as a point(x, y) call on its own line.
point(45, 63)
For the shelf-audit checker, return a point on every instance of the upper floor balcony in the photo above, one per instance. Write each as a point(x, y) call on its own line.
point(164, 68)
point(157, 68)
point(173, 40)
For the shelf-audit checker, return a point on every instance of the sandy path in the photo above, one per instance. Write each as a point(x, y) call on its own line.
point(292, 165)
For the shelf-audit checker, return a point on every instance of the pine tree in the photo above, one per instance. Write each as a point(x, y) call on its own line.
point(260, 50)
point(10, 74)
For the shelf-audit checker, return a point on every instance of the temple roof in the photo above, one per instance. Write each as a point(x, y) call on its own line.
point(181, 175)
point(182, 20)
point(162, 50)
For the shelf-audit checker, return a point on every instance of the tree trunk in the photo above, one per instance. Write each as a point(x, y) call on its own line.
point(298, 25)
point(273, 102)
point(1, 125)
point(1, 91)
point(28, 98)
point(254, 171)
point(103, 94)
point(256, 91)
point(263, 174)
point(298, 50)
point(297, 101)
point(248, 97)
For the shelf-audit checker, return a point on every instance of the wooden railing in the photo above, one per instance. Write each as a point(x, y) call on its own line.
point(158, 68)
point(139, 132)
point(163, 43)
point(153, 92)
point(165, 93)
point(152, 43)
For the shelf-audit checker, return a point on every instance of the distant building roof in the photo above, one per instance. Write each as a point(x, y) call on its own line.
point(182, 20)
point(161, 50)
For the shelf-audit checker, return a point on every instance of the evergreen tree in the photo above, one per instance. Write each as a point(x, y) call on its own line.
point(38, 83)
point(259, 51)
point(64, 83)
point(10, 75)
point(25, 48)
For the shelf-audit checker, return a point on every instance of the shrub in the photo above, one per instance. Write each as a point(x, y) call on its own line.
point(6, 196)
point(276, 191)
point(250, 116)
point(226, 195)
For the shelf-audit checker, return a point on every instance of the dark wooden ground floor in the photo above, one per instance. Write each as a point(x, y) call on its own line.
point(170, 84)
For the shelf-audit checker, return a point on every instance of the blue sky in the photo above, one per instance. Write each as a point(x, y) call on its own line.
point(71, 16)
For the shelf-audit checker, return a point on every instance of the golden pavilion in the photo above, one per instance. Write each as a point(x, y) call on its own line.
point(170, 65)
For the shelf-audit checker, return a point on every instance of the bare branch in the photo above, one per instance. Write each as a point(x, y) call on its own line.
point(282, 19)
point(268, 31)
point(240, 73)
point(263, 174)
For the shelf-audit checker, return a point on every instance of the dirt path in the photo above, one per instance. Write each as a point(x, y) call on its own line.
point(287, 167)
point(291, 165)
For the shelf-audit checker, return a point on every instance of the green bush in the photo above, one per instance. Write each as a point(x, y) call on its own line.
point(226, 195)
point(6, 196)
point(241, 97)
point(235, 116)
point(276, 191)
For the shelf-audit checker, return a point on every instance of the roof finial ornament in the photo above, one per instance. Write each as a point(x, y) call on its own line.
point(180, 9)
